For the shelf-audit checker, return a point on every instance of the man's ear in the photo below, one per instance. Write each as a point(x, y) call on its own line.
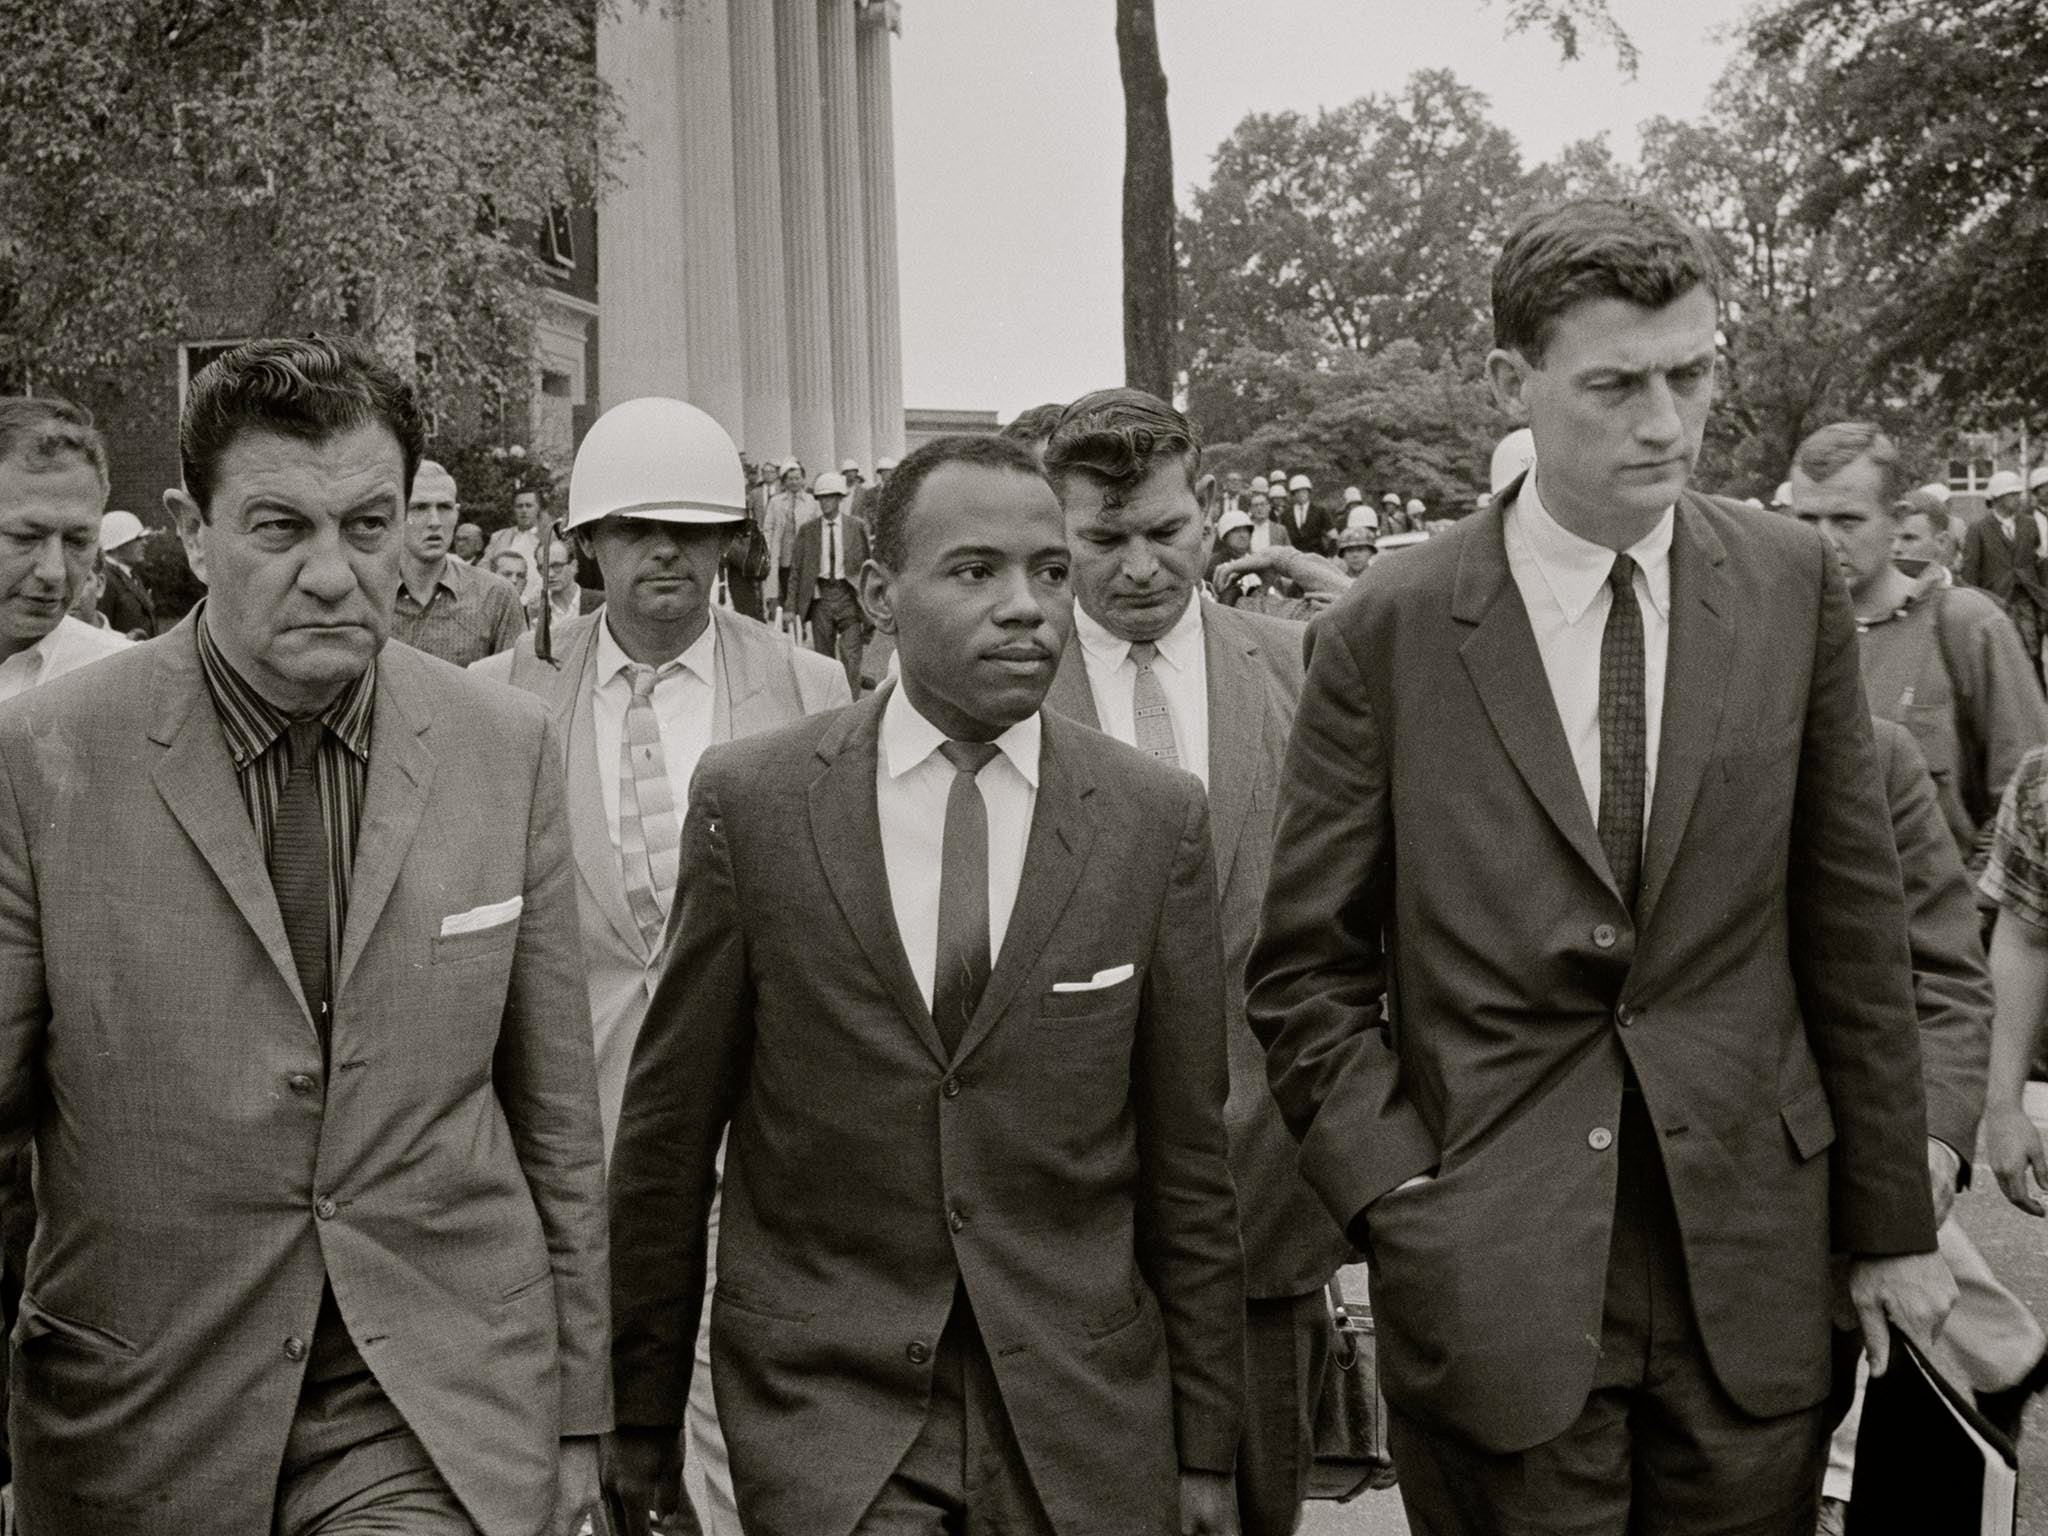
point(878, 595)
point(1508, 373)
point(191, 523)
point(1205, 495)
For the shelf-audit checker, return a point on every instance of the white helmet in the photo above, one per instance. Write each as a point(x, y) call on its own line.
point(1513, 455)
point(1415, 507)
point(1258, 487)
point(2004, 483)
point(659, 459)
point(850, 467)
point(1938, 490)
point(831, 483)
point(883, 466)
point(1230, 522)
point(119, 528)
point(2035, 481)
point(1782, 496)
point(1353, 496)
point(1301, 483)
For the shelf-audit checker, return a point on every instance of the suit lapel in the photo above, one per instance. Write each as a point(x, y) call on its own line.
point(760, 690)
point(589, 833)
point(1071, 695)
point(1238, 707)
point(1501, 657)
point(1695, 689)
point(847, 831)
point(401, 770)
point(196, 778)
point(1054, 856)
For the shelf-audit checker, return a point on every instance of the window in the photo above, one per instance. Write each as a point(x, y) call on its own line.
point(560, 239)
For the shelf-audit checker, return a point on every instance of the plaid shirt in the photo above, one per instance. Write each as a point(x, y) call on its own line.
point(256, 735)
point(2017, 875)
point(469, 615)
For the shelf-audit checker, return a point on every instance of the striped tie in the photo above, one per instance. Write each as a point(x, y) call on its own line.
point(649, 839)
point(1151, 717)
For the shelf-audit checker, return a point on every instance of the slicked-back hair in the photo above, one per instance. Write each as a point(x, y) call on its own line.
point(1116, 437)
point(892, 502)
point(40, 433)
point(311, 388)
point(1835, 447)
point(1593, 248)
point(1034, 425)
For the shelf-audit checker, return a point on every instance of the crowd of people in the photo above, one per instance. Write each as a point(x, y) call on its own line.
point(798, 1005)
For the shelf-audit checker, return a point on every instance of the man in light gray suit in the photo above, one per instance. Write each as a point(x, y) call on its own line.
point(656, 492)
point(1211, 690)
point(292, 1018)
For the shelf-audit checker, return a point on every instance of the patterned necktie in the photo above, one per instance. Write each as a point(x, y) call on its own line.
point(1151, 715)
point(298, 868)
point(650, 841)
point(1624, 734)
point(962, 967)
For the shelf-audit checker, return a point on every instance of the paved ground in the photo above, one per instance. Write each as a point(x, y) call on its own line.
point(2017, 1248)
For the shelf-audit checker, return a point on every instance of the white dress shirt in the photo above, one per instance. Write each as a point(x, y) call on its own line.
point(683, 710)
point(1563, 579)
point(70, 645)
point(1182, 667)
point(912, 781)
point(1262, 535)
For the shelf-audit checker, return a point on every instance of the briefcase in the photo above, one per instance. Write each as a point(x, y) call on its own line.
point(1351, 1415)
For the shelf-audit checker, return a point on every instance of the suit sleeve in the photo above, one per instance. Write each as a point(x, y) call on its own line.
point(1318, 971)
point(1851, 963)
point(1951, 987)
point(690, 1065)
point(24, 1021)
point(1187, 1211)
point(547, 1082)
point(1972, 571)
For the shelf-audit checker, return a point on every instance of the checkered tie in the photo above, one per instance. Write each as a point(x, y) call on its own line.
point(1624, 743)
point(649, 839)
point(1151, 715)
point(298, 867)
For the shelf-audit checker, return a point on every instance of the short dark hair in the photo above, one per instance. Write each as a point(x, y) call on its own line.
point(1835, 447)
point(1593, 248)
point(310, 388)
point(1924, 503)
point(1034, 425)
point(1116, 437)
point(893, 501)
point(523, 489)
point(42, 430)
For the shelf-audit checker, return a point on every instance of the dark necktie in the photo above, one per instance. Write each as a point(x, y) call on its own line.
point(298, 868)
point(1624, 735)
point(962, 967)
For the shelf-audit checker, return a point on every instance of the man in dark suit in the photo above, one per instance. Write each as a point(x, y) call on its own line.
point(294, 1019)
point(831, 548)
point(1583, 793)
point(950, 969)
point(1210, 690)
point(1308, 525)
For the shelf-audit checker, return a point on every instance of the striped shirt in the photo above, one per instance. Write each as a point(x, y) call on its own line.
point(469, 615)
point(256, 735)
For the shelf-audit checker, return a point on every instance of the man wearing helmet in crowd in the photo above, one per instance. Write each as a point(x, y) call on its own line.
point(830, 550)
point(2002, 554)
point(1308, 525)
point(639, 689)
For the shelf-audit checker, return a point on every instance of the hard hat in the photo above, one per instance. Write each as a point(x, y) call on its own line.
point(1415, 506)
point(850, 467)
point(1356, 536)
point(1782, 496)
point(884, 464)
point(1353, 496)
point(1301, 483)
point(1362, 516)
point(1513, 456)
point(2004, 483)
point(2035, 481)
point(1390, 499)
point(790, 467)
point(1938, 491)
point(1276, 478)
point(118, 528)
point(658, 459)
point(1231, 521)
point(1751, 501)
point(1258, 487)
point(831, 483)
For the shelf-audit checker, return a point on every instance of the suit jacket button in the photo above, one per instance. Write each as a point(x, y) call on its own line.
point(1605, 937)
point(295, 1349)
point(1624, 1015)
point(1599, 1138)
point(918, 1352)
point(950, 1087)
point(300, 1084)
point(955, 1220)
point(324, 1208)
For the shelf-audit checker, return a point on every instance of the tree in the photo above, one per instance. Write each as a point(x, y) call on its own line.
point(372, 166)
point(1150, 274)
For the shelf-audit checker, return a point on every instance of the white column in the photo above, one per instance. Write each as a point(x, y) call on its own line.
point(878, 220)
point(711, 274)
point(845, 241)
point(757, 201)
point(799, 92)
point(643, 334)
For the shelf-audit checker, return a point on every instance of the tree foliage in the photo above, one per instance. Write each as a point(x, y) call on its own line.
point(374, 166)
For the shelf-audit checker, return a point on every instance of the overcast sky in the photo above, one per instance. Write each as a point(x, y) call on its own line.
point(1009, 146)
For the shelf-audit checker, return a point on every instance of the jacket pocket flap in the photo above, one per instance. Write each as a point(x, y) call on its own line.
point(1809, 1122)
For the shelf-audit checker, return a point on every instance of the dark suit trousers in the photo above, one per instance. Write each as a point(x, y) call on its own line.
point(839, 627)
point(1286, 1351)
point(351, 1465)
point(1659, 1450)
point(964, 1474)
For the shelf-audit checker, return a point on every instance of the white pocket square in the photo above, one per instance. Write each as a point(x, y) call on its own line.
point(1101, 979)
point(476, 919)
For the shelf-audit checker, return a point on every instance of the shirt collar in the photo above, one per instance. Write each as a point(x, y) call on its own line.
point(1180, 647)
point(908, 739)
point(1575, 569)
point(448, 581)
point(699, 657)
point(252, 724)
